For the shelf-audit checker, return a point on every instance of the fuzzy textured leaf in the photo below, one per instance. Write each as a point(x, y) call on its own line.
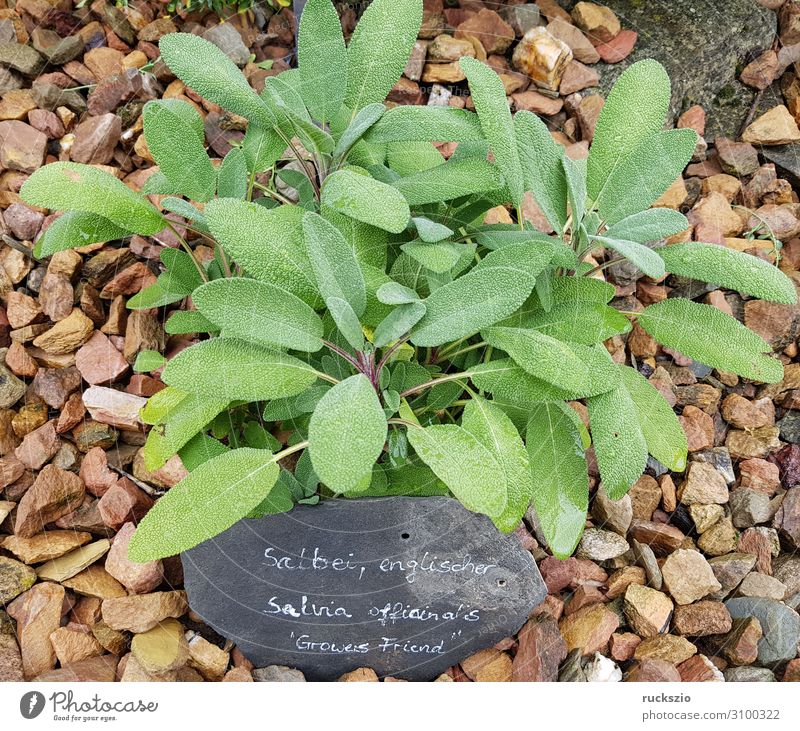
point(636, 108)
point(416, 124)
point(74, 229)
point(366, 199)
point(454, 179)
point(210, 500)
point(619, 444)
point(379, 49)
point(495, 431)
point(70, 186)
point(540, 355)
point(489, 98)
point(346, 433)
point(322, 59)
point(641, 176)
point(642, 256)
point(730, 269)
point(559, 474)
point(540, 157)
point(177, 143)
point(237, 370)
point(662, 431)
point(208, 71)
point(258, 311)
point(232, 176)
point(334, 263)
point(650, 225)
point(706, 334)
point(470, 303)
point(269, 244)
point(468, 468)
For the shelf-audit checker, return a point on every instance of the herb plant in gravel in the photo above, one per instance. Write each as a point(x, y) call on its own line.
point(364, 333)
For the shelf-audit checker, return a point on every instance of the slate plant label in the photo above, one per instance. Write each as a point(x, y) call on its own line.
point(407, 586)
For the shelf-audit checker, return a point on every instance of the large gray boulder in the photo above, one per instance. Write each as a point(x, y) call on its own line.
point(703, 44)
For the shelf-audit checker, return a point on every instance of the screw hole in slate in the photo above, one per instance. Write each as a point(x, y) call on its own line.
point(405, 536)
point(501, 582)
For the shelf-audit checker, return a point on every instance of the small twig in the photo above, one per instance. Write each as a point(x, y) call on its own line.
point(435, 382)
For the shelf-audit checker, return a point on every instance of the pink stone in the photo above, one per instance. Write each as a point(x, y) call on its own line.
point(99, 362)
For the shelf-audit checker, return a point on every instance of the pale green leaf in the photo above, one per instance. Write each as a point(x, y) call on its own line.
point(237, 370)
point(232, 175)
point(540, 157)
point(379, 49)
point(208, 71)
point(199, 449)
point(421, 124)
point(730, 269)
point(653, 224)
point(559, 474)
point(710, 336)
point(407, 158)
point(619, 444)
point(366, 199)
point(394, 293)
point(636, 108)
point(365, 118)
point(506, 381)
point(70, 186)
point(468, 468)
point(177, 417)
point(575, 177)
point(438, 258)
point(662, 431)
point(346, 433)
point(454, 179)
point(430, 231)
point(333, 262)
point(182, 322)
point(322, 59)
point(495, 431)
point(346, 321)
point(642, 256)
point(269, 244)
point(177, 143)
point(491, 104)
point(542, 356)
point(148, 360)
point(579, 322)
point(258, 311)
point(397, 323)
point(470, 303)
point(209, 501)
point(74, 229)
point(641, 176)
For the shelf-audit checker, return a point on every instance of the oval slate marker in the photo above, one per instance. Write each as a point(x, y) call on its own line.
point(407, 586)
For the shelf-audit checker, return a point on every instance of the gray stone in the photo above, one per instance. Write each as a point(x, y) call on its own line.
point(49, 96)
point(225, 37)
point(278, 674)
point(750, 507)
point(756, 584)
point(781, 626)
point(790, 423)
point(21, 58)
point(787, 161)
point(644, 557)
point(406, 586)
point(747, 674)
point(719, 458)
point(614, 515)
point(9, 80)
point(572, 668)
point(601, 545)
point(54, 48)
point(787, 571)
point(701, 45)
point(522, 17)
point(730, 569)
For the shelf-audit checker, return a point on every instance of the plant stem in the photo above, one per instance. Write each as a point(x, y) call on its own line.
point(290, 450)
point(388, 354)
point(452, 355)
point(435, 382)
point(342, 354)
point(326, 377)
point(403, 422)
point(273, 194)
point(188, 250)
